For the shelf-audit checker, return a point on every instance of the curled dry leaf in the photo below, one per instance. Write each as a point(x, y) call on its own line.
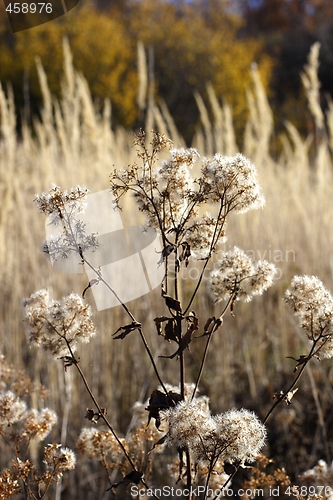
point(159, 442)
point(211, 325)
point(186, 253)
point(125, 330)
point(171, 331)
point(69, 361)
point(186, 340)
point(91, 283)
point(168, 250)
point(93, 416)
point(160, 401)
point(288, 397)
point(134, 476)
point(158, 323)
point(300, 361)
point(172, 303)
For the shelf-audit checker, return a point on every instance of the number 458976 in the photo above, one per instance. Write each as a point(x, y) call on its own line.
point(26, 8)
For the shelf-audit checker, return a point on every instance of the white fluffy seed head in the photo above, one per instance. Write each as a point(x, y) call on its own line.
point(51, 322)
point(12, 408)
point(235, 180)
point(312, 304)
point(236, 273)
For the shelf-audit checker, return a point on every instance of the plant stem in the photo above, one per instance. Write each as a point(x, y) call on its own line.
point(214, 241)
point(102, 415)
point(283, 395)
point(130, 315)
point(214, 328)
point(189, 474)
point(202, 365)
point(211, 466)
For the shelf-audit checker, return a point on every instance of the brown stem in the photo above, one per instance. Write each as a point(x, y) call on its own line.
point(214, 241)
point(130, 315)
point(211, 466)
point(228, 481)
point(102, 415)
point(188, 474)
point(207, 346)
point(282, 396)
point(152, 360)
point(202, 365)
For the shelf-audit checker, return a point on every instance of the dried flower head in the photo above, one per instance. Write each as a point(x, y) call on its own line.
point(12, 408)
point(63, 209)
point(234, 181)
point(95, 443)
point(201, 231)
point(58, 458)
point(238, 275)
point(320, 475)
point(238, 436)
point(58, 325)
point(187, 423)
point(56, 200)
point(165, 195)
point(38, 424)
point(313, 306)
point(9, 485)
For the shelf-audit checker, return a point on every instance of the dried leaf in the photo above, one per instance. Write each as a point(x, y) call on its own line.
point(91, 283)
point(90, 414)
point(160, 441)
point(171, 331)
point(125, 330)
point(93, 416)
point(172, 303)
point(160, 401)
point(288, 397)
point(158, 322)
point(211, 325)
point(69, 361)
point(186, 253)
point(186, 340)
point(168, 250)
point(300, 361)
point(133, 477)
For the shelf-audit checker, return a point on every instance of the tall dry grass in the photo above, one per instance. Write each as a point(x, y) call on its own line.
point(73, 142)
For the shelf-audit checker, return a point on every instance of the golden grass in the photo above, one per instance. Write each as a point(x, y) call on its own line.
point(73, 143)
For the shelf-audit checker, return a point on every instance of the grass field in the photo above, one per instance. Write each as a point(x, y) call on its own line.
point(72, 143)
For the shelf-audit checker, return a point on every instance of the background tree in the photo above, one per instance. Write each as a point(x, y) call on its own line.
point(192, 44)
point(289, 28)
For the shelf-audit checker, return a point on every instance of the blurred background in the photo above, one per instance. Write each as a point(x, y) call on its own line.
point(223, 76)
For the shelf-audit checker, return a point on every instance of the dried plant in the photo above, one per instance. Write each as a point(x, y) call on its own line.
point(20, 428)
point(190, 214)
point(73, 138)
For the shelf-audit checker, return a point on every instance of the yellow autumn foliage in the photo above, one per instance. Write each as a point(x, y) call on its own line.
point(192, 45)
